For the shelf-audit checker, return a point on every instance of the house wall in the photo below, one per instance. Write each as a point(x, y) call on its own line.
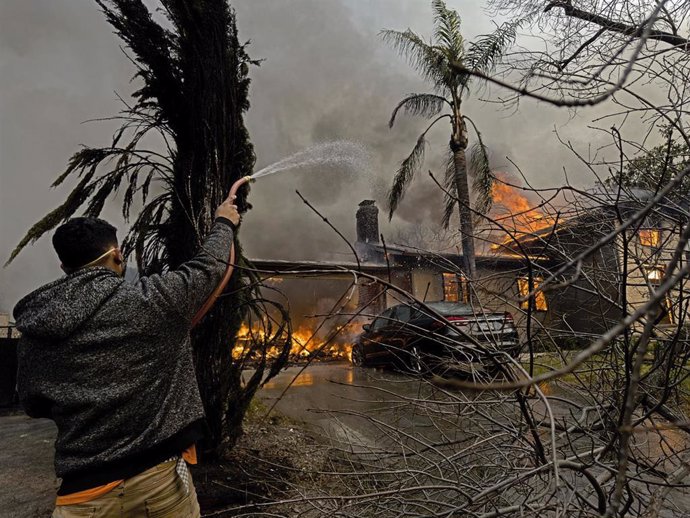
point(402, 279)
point(644, 262)
point(589, 300)
point(496, 290)
point(427, 285)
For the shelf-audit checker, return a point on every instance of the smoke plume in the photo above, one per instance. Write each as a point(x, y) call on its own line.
point(326, 75)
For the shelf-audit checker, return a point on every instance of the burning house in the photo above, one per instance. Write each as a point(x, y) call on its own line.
point(596, 291)
point(427, 276)
point(584, 301)
point(434, 277)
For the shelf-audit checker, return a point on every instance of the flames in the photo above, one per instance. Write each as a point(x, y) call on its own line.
point(305, 343)
point(513, 210)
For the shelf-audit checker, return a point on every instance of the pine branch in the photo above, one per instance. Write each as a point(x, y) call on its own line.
point(75, 200)
point(622, 28)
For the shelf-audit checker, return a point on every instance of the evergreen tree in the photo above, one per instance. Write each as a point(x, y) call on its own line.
point(193, 76)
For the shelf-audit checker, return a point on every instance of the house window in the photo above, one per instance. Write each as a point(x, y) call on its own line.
point(654, 275)
point(650, 237)
point(539, 298)
point(455, 288)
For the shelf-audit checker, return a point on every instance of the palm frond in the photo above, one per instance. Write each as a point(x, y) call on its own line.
point(482, 177)
point(428, 60)
point(409, 167)
point(447, 30)
point(426, 105)
point(144, 239)
point(48, 222)
point(484, 53)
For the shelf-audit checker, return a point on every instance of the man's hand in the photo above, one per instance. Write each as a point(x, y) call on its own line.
point(228, 210)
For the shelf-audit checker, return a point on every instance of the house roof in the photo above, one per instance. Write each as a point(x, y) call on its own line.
point(315, 268)
point(403, 258)
point(601, 200)
point(491, 259)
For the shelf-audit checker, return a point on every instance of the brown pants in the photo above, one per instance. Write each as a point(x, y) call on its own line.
point(156, 493)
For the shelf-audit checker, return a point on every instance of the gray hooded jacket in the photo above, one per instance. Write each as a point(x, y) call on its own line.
point(111, 362)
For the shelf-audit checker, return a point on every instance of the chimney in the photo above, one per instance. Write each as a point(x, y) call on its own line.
point(368, 222)
point(367, 229)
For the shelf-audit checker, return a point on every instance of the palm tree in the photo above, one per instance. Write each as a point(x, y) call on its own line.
point(434, 61)
point(181, 145)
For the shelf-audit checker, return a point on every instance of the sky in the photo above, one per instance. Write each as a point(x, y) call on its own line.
point(326, 75)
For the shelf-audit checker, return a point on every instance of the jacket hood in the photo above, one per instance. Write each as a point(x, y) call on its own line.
point(56, 310)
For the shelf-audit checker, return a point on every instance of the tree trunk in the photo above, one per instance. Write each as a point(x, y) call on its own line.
point(466, 217)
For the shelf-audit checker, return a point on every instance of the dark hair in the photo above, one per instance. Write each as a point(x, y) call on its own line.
point(81, 240)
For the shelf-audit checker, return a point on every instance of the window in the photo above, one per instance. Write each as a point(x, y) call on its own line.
point(383, 320)
point(456, 288)
point(654, 275)
point(649, 237)
point(403, 313)
point(539, 298)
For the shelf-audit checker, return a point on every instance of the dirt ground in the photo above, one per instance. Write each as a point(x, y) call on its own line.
point(270, 458)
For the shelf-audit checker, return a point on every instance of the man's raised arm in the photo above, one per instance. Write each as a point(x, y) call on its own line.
point(185, 289)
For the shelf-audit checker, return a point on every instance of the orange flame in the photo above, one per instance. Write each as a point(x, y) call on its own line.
point(304, 343)
point(515, 211)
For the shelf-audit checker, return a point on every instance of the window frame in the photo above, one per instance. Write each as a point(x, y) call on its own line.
point(541, 304)
point(460, 284)
point(653, 239)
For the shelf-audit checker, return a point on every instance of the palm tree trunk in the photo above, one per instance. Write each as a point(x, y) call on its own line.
point(466, 220)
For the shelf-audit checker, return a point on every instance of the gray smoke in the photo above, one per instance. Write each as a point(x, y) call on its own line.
point(327, 75)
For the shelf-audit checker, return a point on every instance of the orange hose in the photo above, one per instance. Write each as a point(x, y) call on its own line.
point(228, 271)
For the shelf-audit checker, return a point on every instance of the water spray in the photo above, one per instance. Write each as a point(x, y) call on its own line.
point(342, 153)
point(231, 262)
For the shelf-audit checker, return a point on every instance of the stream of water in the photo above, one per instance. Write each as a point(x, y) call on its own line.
point(348, 155)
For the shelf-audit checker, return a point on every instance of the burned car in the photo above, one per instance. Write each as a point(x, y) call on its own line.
point(415, 339)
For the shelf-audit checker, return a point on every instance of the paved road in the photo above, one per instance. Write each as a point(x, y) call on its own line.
point(336, 397)
point(364, 410)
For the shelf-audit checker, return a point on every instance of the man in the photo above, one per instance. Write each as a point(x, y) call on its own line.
point(111, 363)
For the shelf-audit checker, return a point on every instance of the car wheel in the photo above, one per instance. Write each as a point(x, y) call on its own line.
point(357, 358)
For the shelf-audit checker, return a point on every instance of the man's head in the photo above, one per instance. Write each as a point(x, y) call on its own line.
point(84, 242)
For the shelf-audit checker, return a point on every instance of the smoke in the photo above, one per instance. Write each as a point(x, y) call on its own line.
point(327, 75)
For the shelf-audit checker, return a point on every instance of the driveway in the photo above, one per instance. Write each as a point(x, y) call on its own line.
point(27, 482)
